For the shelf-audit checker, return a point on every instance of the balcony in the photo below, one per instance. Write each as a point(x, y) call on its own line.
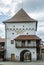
point(25, 46)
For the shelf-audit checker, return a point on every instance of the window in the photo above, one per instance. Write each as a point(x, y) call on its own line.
point(16, 28)
point(12, 41)
point(28, 41)
point(23, 43)
point(23, 25)
point(32, 28)
point(23, 28)
point(13, 33)
point(10, 28)
point(27, 33)
point(33, 52)
point(13, 26)
point(20, 28)
point(29, 28)
point(26, 28)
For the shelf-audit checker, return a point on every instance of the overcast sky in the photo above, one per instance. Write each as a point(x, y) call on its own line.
point(34, 8)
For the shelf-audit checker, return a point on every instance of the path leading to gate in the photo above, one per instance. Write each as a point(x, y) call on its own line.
point(22, 63)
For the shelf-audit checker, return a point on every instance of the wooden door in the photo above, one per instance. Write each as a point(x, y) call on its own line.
point(12, 57)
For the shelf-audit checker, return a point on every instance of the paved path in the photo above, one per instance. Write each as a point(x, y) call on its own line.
point(22, 63)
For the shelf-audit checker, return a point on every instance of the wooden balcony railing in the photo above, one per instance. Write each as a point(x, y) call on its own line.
point(26, 46)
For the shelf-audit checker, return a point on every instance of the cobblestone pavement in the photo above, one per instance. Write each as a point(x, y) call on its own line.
point(23, 63)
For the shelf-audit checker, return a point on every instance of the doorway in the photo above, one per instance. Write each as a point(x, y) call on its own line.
point(25, 55)
point(12, 57)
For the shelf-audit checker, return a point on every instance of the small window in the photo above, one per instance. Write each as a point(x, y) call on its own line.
point(13, 33)
point(42, 50)
point(23, 28)
point(32, 28)
point(23, 25)
point(20, 28)
point(23, 43)
point(12, 41)
point(27, 33)
point(29, 28)
point(26, 28)
point(33, 52)
point(28, 41)
point(16, 28)
point(13, 26)
point(10, 28)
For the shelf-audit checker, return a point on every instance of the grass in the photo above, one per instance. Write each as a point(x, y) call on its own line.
point(1, 64)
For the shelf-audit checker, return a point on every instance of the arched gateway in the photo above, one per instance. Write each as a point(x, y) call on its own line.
point(25, 55)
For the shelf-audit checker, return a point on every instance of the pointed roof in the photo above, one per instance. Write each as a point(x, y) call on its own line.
point(20, 16)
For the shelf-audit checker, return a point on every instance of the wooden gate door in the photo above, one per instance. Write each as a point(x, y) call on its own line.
point(12, 57)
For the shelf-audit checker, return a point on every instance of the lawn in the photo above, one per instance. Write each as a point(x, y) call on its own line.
point(1, 64)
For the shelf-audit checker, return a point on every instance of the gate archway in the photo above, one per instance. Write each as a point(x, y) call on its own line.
point(25, 55)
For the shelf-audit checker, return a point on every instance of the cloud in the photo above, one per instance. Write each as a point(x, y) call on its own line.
point(4, 17)
point(9, 6)
point(6, 2)
point(35, 9)
point(40, 30)
point(4, 10)
point(37, 15)
point(33, 5)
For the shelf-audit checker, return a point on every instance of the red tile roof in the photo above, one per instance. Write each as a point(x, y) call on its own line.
point(27, 37)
